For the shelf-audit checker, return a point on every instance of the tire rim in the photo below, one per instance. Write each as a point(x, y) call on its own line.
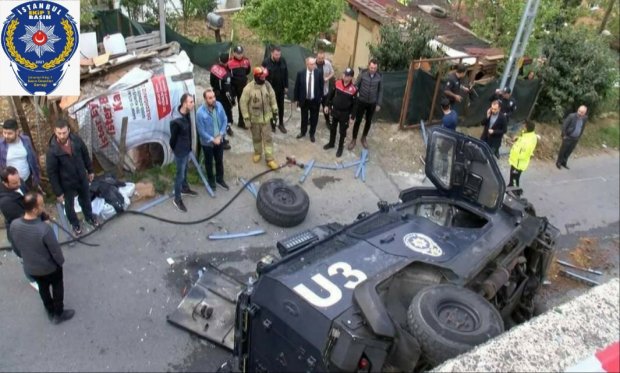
point(284, 196)
point(457, 316)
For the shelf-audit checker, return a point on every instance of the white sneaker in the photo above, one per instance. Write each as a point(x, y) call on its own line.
point(34, 285)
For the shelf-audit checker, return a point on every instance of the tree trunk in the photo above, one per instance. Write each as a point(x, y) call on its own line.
point(610, 6)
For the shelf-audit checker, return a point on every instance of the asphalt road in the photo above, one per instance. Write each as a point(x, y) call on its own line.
point(123, 289)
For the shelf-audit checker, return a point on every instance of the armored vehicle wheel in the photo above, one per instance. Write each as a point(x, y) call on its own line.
point(448, 320)
point(282, 204)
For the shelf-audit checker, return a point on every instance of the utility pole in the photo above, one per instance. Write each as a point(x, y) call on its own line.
point(520, 43)
point(162, 21)
point(608, 9)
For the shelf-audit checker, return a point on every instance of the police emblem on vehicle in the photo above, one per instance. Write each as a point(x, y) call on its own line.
point(422, 244)
point(39, 38)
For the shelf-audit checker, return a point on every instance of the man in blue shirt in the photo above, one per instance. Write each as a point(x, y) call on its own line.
point(211, 124)
point(450, 117)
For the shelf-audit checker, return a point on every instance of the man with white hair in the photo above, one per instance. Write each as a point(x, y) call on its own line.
point(572, 129)
point(308, 96)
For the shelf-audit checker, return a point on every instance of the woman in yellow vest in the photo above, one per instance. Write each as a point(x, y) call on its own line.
point(521, 152)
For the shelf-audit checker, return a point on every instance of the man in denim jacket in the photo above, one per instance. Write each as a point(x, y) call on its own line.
point(211, 124)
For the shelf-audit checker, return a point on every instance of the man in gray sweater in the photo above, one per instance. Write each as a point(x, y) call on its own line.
point(370, 94)
point(42, 256)
point(572, 129)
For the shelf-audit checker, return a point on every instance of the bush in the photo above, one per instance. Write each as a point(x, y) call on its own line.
point(581, 70)
point(290, 21)
point(400, 45)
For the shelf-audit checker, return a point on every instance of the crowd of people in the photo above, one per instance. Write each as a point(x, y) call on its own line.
point(496, 123)
point(345, 102)
point(260, 103)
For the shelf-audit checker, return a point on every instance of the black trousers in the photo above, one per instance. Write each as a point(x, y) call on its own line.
point(309, 116)
point(340, 123)
point(566, 149)
point(214, 153)
point(239, 86)
point(366, 110)
point(52, 300)
point(280, 102)
point(515, 176)
point(83, 195)
point(328, 117)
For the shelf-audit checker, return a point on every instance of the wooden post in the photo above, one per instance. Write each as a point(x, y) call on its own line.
point(437, 84)
point(404, 107)
point(122, 149)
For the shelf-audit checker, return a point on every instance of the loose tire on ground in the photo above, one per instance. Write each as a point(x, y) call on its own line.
point(448, 320)
point(282, 204)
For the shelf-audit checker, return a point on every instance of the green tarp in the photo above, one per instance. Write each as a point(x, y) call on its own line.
point(471, 111)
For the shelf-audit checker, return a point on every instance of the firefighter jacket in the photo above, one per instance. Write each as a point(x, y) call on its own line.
point(343, 98)
point(258, 103)
point(522, 150)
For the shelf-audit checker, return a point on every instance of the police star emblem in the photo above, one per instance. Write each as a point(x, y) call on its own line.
point(39, 38)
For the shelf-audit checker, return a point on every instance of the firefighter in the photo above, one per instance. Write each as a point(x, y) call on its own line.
point(239, 67)
point(341, 102)
point(259, 107)
point(220, 79)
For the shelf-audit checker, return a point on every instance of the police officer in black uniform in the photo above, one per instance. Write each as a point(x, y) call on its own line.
point(239, 67)
point(341, 102)
point(507, 104)
point(454, 85)
point(220, 79)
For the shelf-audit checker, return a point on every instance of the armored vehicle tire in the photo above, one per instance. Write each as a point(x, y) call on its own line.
point(282, 204)
point(448, 320)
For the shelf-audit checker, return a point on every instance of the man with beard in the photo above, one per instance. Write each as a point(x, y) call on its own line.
point(278, 78)
point(210, 124)
point(325, 67)
point(70, 169)
point(181, 144)
point(495, 127)
point(16, 150)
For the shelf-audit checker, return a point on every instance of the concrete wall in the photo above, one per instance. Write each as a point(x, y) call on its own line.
point(553, 341)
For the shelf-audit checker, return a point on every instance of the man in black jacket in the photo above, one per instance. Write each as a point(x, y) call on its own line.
point(572, 129)
point(11, 199)
point(239, 67)
point(495, 127)
point(370, 95)
point(507, 103)
point(70, 169)
point(181, 144)
point(278, 78)
point(42, 256)
point(308, 95)
point(221, 82)
point(341, 103)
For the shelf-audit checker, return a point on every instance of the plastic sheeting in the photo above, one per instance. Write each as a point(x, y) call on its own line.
point(471, 110)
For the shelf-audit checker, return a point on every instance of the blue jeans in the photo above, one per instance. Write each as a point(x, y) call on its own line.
point(180, 180)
